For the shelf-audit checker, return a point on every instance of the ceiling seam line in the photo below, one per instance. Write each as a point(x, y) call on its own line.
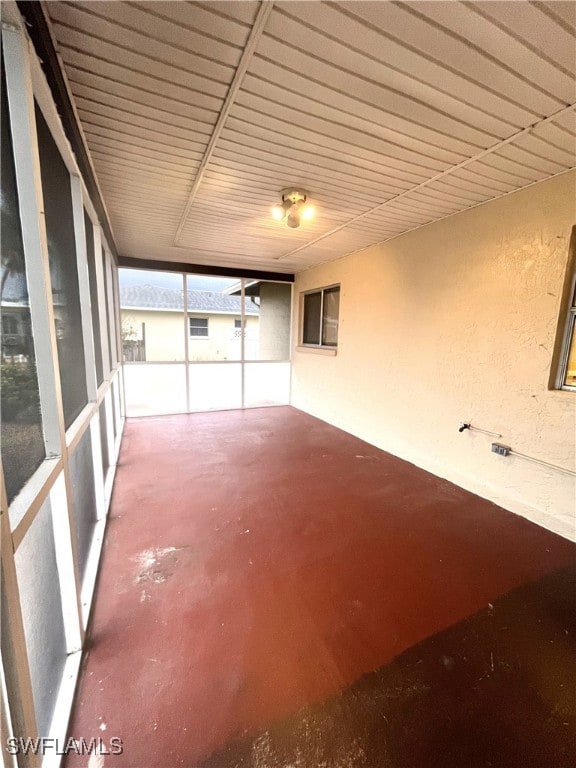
point(113, 129)
point(478, 49)
point(103, 18)
point(141, 33)
point(503, 27)
point(243, 133)
point(437, 62)
point(552, 15)
point(195, 155)
point(372, 121)
point(74, 49)
point(329, 174)
point(143, 105)
point(405, 72)
point(434, 221)
point(101, 115)
point(396, 91)
point(139, 88)
point(96, 91)
point(257, 29)
point(437, 177)
point(476, 205)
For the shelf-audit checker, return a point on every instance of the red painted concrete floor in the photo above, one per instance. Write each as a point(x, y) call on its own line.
point(257, 562)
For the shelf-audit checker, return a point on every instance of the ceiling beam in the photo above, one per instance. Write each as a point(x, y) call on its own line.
point(249, 49)
point(203, 269)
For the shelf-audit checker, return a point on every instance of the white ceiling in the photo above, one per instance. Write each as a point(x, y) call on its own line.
point(390, 114)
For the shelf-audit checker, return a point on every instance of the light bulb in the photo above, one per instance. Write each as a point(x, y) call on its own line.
point(293, 219)
point(308, 213)
point(278, 212)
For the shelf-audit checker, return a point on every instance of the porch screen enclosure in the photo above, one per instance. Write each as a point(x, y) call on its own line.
point(198, 343)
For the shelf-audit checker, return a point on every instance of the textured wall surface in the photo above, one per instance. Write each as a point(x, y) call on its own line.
point(165, 338)
point(456, 322)
point(275, 308)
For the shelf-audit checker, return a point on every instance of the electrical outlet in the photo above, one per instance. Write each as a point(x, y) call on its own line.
point(501, 450)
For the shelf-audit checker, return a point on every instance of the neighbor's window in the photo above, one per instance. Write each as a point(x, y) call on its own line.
point(567, 371)
point(199, 327)
point(320, 317)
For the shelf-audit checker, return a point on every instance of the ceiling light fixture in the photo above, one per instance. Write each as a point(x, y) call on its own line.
point(294, 208)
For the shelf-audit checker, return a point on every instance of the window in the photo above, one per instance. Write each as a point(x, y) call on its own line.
point(199, 327)
point(566, 365)
point(22, 435)
point(9, 325)
point(57, 197)
point(320, 317)
point(238, 324)
point(89, 232)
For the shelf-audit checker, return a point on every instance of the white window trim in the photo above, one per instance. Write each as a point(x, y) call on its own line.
point(199, 338)
point(26, 82)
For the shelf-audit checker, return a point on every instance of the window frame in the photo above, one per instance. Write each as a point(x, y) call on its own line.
point(197, 337)
point(566, 329)
point(26, 89)
point(321, 345)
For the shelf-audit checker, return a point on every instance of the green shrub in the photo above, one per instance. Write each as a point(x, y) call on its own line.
point(19, 397)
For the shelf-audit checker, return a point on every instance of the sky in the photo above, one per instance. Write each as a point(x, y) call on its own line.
point(131, 277)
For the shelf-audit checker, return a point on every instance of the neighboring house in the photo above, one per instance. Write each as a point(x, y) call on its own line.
point(152, 324)
point(15, 313)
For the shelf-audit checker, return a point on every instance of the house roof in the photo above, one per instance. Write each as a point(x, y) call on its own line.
point(154, 297)
point(15, 289)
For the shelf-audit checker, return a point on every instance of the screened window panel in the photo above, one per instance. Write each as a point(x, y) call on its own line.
point(214, 386)
point(330, 315)
point(116, 309)
point(104, 438)
point(267, 321)
point(266, 384)
point(89, 229)
point(57, 196)
point(113, 407)
point(155, 388)
point(40, 598)
point(83, 497)
point(152, 316)
point(213, 308)
point(108, 302)
point(22, 440)
point(311, 325)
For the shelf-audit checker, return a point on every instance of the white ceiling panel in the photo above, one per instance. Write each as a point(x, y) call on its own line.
point(389, 114)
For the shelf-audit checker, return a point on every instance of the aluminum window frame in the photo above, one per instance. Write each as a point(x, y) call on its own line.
point(566, 328)
point(199, 327)
point(567, 338)
point(320, 346)
point(243, 282)
point(26, 85)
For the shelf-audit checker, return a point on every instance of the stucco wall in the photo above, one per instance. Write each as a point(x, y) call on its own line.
point(275, 305)
point(456, 322)
point(165, 339)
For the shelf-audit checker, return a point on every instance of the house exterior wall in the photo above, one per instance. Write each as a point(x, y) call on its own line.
point(165, 339)
point(275, 305)
point(455, 322)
